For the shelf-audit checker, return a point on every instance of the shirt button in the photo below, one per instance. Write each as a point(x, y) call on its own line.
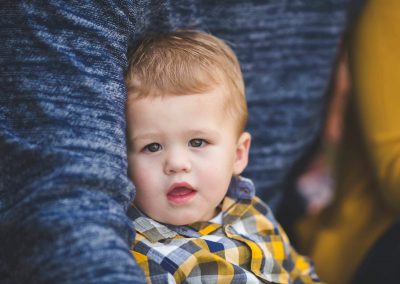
point(243, 190)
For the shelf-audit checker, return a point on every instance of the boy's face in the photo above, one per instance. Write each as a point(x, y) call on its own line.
point(183, 153)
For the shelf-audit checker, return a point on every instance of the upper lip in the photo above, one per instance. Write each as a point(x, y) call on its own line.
point(179, 184)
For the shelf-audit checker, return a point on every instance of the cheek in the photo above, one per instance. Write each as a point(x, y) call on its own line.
point(221, 161)
point(140, 172)
point(217, 169)
point(144, 181)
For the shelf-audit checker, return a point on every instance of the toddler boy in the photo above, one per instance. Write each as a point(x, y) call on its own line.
point(197, 220)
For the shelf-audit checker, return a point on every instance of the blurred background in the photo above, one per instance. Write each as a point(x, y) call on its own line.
point(342, 206)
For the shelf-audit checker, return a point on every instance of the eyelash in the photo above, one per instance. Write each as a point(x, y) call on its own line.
point(155, 147)
point(203, 142)
point(147, 148)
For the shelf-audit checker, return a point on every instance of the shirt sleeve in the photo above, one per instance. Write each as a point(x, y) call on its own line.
point(63, 184)
point(376, 62)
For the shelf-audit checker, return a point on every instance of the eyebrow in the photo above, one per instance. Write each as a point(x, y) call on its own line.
point(193, 132)
point(148, 135)
point(202, 132)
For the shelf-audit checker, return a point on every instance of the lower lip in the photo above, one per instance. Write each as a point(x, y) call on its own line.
point(180, 199)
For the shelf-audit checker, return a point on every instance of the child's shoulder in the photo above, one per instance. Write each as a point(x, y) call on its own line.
point(242, 190)
point(261, 206)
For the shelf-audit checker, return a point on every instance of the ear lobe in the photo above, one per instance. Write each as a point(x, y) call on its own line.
point(242, 153)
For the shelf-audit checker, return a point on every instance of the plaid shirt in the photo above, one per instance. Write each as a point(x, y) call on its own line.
point(248, 247)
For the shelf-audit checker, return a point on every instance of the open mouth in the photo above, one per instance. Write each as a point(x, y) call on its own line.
point(180, 193)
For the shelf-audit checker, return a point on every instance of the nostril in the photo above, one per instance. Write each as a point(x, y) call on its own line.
point(177, 162)
point(177, 168)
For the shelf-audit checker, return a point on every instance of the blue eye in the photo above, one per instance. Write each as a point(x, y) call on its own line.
point(197, 142)
point(153, 147)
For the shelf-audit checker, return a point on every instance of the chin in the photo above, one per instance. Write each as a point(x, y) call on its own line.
point(179, 219)
point(183, 221)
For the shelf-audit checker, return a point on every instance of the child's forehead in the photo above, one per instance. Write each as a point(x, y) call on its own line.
point(192, 109)
point(219, 92)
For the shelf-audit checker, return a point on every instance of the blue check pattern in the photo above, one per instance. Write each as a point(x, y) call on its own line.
point(248, 247)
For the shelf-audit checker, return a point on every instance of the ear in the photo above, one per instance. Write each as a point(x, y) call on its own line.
point(242, 153)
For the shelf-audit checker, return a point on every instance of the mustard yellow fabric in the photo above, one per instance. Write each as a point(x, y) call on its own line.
point(367, 199)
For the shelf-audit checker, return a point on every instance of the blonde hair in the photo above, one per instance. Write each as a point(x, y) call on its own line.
point(186, 62)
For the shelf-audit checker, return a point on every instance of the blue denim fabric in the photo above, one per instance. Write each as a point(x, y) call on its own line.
point(63, 183)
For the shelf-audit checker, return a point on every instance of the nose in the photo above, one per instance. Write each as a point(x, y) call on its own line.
point(177, 161)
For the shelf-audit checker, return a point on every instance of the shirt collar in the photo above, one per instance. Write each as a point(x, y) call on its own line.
point(155, 231)
point(241, 190)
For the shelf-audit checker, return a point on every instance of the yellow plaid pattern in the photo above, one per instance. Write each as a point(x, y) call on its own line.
point(248, 247)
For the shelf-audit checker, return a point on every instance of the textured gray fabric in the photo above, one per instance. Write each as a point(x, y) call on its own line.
point(63, 183)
